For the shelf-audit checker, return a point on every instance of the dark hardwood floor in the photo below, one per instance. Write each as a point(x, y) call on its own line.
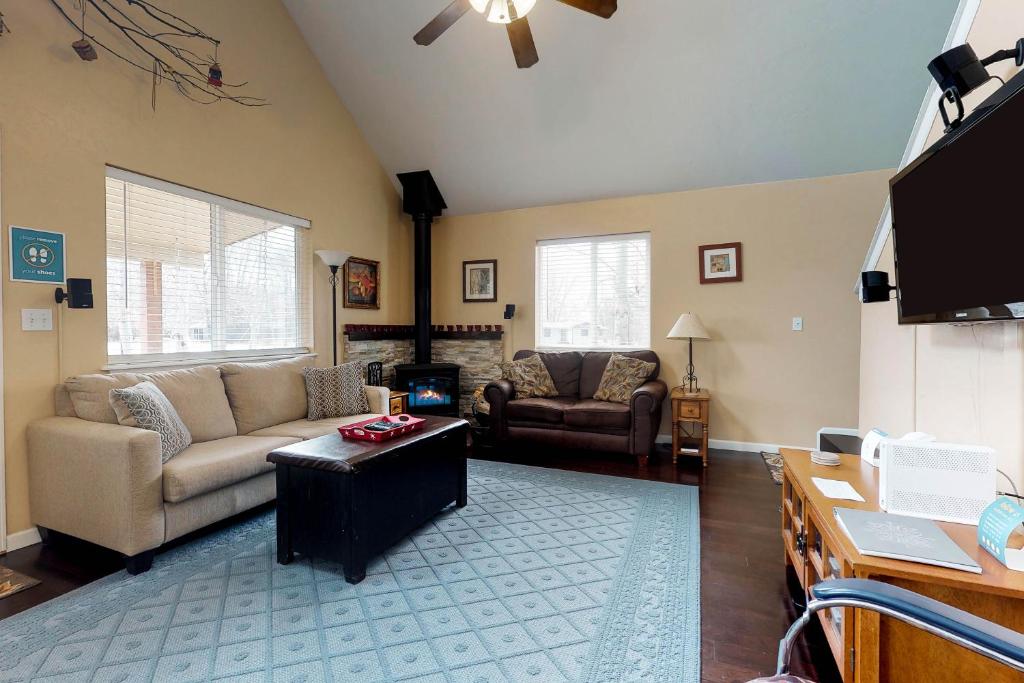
point(746, 602)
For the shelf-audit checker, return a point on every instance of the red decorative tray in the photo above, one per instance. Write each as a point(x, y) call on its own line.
point(407, 424)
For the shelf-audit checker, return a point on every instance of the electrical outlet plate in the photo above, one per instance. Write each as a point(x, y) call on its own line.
point(36, 319)
point(798, 324)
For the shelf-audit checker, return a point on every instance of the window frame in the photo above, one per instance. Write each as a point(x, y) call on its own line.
point(604, 237)
point(303, 289)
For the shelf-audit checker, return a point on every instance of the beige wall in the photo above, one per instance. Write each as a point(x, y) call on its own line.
point(802, 244)
point(63, 119)
point(963, 384)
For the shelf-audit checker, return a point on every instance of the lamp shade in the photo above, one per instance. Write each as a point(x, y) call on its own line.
point(688, 326)
point(331, 257)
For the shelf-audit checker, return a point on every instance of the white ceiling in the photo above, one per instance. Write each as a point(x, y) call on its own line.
point(666, 95)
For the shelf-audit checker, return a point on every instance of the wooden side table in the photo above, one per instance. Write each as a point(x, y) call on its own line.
point(690, 410)
point(399, 402)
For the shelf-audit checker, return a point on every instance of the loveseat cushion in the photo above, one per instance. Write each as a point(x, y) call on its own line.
point(198, 396)
point(597, 415)
point(549, 410)
point(266, 394)
point(311, 429)
point(563, 366)
point(212, 465)
point(529, 376)
point(594, 363)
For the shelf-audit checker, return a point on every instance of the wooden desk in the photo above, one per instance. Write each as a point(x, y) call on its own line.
point(868, 648)
point(690, 409)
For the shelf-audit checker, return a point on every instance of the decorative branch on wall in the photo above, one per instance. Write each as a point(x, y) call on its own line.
point(4, 28)
point(158, 42)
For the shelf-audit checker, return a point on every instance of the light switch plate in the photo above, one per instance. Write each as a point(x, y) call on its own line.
point(798, 324)
point(36, 319)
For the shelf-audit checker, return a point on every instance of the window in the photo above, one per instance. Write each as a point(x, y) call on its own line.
point(191, 275)
point(594, 292)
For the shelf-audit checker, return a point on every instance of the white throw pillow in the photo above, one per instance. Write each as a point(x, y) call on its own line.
point(145, 406)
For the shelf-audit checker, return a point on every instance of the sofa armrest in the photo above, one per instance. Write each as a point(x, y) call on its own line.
point(96, 481)
point(645, 413)
point(647, 397)
point(379, 399)
point(497, 394)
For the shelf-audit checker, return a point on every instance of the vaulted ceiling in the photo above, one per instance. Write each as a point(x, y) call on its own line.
point(666, 95)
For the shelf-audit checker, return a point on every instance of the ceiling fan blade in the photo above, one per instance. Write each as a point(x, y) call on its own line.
point(602, 8)
point(521, 37)
point(442, 22)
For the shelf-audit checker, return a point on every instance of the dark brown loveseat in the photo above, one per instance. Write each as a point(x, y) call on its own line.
point(573, 419)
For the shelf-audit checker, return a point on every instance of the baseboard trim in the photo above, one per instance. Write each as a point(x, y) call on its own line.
point(745, 446)
point(23, 539)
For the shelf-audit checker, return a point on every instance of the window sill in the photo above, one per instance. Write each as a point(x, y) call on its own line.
point(157, 364)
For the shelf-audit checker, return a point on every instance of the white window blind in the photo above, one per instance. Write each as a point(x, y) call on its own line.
point(191, 275)
point(594, 292)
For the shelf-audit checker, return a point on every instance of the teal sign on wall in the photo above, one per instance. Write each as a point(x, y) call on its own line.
point(37, 255)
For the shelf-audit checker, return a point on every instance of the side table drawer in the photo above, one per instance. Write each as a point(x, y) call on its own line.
point(689, 410)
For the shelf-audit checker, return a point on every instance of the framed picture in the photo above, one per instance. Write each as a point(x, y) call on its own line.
point(362, 283)
point(721, 263)
point(480, 280)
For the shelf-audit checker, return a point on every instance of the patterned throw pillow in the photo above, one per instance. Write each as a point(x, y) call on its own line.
point(145, 406)
point(336, 392)
point(529, 376)
point(621, 377)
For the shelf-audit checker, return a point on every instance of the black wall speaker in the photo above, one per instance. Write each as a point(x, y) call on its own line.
point(79, 294)
point(510, 310)
point(874, 286)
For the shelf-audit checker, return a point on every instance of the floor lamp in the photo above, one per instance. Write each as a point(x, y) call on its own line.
point(334, 260)
point(689, 326)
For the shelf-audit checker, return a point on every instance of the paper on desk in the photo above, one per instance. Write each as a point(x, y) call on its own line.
point(839, 490)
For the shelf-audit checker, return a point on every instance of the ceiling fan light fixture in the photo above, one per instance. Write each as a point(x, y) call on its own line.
point(501, 11)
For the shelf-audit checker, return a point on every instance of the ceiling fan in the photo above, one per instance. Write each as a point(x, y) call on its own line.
point(512, 13)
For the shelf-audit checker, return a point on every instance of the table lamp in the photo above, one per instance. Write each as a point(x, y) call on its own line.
point(689, 326)
point(334, 259)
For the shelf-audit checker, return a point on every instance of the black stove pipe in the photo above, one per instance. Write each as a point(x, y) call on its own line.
point(421, 285)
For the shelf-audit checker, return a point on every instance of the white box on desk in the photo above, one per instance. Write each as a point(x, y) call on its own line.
point(942, 481)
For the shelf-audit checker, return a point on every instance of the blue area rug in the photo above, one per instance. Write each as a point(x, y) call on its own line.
point(545, 576)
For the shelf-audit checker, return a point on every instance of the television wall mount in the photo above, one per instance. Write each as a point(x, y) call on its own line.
point(958, 71)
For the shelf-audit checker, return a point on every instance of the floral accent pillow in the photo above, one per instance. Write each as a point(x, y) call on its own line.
point(621, 377)
point(336, 392)
point(529, 376)
point(146, 407)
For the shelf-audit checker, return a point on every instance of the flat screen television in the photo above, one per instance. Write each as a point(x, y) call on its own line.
point(958, 228)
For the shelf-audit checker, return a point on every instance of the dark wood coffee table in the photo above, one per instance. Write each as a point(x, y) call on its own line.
point(347, 501)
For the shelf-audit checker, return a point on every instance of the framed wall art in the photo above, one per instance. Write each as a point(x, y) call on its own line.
point(362, 283)
point(721, 263)
point(480, 280)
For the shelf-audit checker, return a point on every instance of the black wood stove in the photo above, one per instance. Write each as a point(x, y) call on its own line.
point(433, 387)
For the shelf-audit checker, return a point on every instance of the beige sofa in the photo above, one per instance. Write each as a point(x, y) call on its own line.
point(94, 479)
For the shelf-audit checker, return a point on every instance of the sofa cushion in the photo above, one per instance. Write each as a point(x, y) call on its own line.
point(266, 394)
point(594, 363)
point(145, 406)
point(336, 391)
point(90, 394)
point(621, 377)
point(529, 376)
point(597, 415)
point(563, 366)
point(547, 410)
point(311, 429)
point(198, 396)
point(212, 465)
